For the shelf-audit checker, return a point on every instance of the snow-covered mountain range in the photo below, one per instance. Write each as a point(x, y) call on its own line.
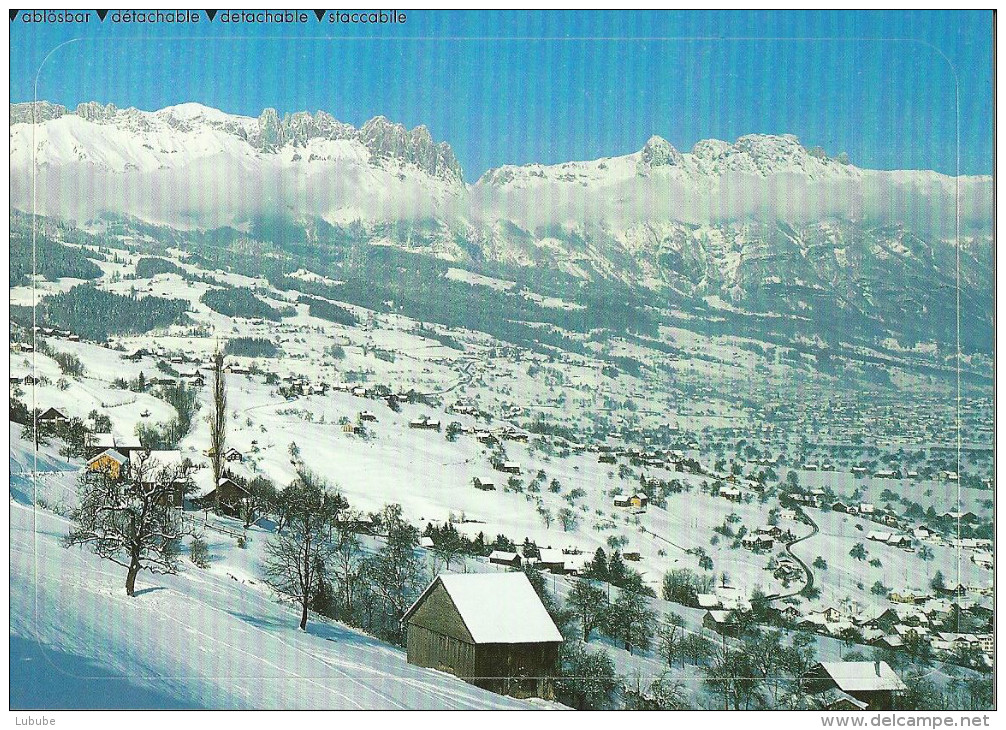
point(762, 224)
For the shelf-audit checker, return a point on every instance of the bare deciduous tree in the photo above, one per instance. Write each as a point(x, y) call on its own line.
point(128, 517)
point(297, 558)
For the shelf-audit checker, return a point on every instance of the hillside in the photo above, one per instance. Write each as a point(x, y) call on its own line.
point(207, 639)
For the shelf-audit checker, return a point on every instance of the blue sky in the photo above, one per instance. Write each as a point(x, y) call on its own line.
point(522, 87)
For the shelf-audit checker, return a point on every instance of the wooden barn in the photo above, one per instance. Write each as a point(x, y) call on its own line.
point(231, 496)
point(502, 557)
point(873, 683)
point(489, 629)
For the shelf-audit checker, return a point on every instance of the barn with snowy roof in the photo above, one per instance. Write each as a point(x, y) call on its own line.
point(490, 629)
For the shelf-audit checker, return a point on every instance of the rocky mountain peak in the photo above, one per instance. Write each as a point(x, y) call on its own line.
point(37, 112)
point(658, 152)
point(389, 140)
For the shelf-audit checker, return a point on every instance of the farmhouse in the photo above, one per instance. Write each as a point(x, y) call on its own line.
point(484, 486)
point(153, 463)
point(720, 622)
point(425, 423)
point(551, 560)
point(501, 557)
point(757, 542)
point(489, 629)
point(511, 467)
point(231, 495)
point(53, 416)
point(731, 493)
point(874, 683)
point(109, 462)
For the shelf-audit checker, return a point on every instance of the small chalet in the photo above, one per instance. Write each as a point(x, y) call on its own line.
point(720, 622)
point(501, 557)
point(731, 493)
point(52, 416)
point(231, 494)
point(368, 417)
point(109, 462)
point(489, 629)
point(484, 486)
point(233, 454)
point(874, 683)
point(511, 467)
point(485, 437)
point(757, 542)
point(551, 560)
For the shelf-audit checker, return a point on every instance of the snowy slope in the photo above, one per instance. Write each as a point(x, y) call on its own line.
point(212, 638)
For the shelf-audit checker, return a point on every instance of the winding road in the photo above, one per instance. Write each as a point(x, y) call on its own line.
point(806, 568)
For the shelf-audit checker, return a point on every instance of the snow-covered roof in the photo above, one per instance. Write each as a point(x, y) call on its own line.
point(551, 556)
point(160, 459)
point(111, 454)
point(104, 441)
point(863, 676)
point(127, 442)
point(497, 608)
point(502, 555)
point(709, 600)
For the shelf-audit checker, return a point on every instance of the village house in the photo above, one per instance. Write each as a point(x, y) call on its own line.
point(874, 683)
point(551, 560)
point(502, 557)
point(425, 423)
point(230, 494)
point(486, 437)
point(488, 629)
point(757, 542)
point(731, 493)
point(52, 416)
point(721, 622)
point(484, 486)
point(109, 462)
point(153, 465)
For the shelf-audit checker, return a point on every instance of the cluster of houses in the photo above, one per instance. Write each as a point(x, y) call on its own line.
point(569, 561)
point(54, 332)
point(912, 618)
